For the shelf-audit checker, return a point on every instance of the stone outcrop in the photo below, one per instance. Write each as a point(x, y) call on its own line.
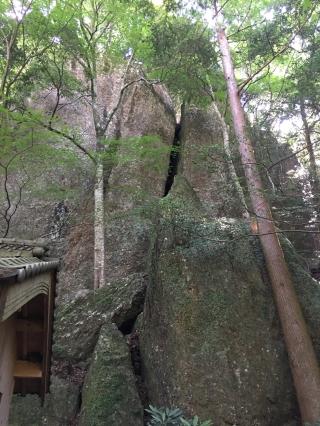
point(80, 313)
point(145, 113)
point(61, 406)
point(210, 341)
point(129, 238)
point(203, 162)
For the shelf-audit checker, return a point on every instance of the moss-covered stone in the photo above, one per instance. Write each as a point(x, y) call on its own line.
point(109, 394)
point(59, 408)
point(62, 403)
point(308, 291)
point(26, 411)
point(83, 313)
point(211, 342)
point(203, 162)
point(78, 323)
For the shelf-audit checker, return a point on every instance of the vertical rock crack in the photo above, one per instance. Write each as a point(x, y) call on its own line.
point(174, 160)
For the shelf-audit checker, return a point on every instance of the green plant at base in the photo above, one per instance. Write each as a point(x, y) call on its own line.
point(172, 417)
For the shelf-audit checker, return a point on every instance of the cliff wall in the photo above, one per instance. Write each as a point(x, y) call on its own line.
point(186, 316)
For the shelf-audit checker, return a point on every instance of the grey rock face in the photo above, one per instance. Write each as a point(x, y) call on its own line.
point(80, 313)
point(210, 338)
point(61, 405)
point(203, 162)
point(211, 343)
point(78, 323)
point(145, 113)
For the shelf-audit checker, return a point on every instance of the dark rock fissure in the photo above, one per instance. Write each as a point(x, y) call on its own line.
point(315, 273)
point(135, 353)
point(128, 328)
point(174, 160)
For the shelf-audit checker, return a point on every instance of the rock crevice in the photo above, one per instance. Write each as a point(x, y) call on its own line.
point(174, 160)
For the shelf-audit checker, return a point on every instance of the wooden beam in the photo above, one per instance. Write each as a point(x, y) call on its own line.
point(27, 370)
point(24, 349)
point(48, 324)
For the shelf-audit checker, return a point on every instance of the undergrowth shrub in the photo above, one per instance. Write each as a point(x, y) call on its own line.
point(172, 417)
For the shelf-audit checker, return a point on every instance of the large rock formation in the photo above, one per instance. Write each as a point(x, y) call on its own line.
point(211, 342)
point(80, 313)
point(210, 338)
point(203, 162)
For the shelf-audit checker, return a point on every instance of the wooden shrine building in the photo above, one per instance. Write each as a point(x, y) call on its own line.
point(27, 290)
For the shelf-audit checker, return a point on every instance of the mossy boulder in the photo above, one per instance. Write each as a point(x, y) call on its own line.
point(60, 406)
point(26, 411)
point(109, 394)
point(308, 291)
point(62, 403)
point(78, 323)
point(82, 313)
point(211, 342)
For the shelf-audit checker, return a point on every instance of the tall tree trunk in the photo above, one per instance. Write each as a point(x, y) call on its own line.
point(303, 362)
point(102, 120)
point(99, 246)
point(99, 252)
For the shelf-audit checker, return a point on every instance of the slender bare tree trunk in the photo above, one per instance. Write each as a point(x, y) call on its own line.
point(303, 362)
point(99, 252)
point(98, 221)
point(231, 168)
point(102, 120)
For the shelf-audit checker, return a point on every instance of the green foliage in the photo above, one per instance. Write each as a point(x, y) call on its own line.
point(27, 153)
point(182, 56)
point(28, 31)
point(172, 417)
point(147, 150)
point(21, 135)
point(194, 422)
point(164, 416)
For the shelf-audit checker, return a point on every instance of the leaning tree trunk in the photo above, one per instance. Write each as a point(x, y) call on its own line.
point(303, 362)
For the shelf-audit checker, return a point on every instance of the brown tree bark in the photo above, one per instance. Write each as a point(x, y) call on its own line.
point(303, 361)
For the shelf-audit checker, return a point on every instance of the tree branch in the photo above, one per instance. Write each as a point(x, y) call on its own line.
point(290, 155)
point(72, 139)
point(276, 54)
